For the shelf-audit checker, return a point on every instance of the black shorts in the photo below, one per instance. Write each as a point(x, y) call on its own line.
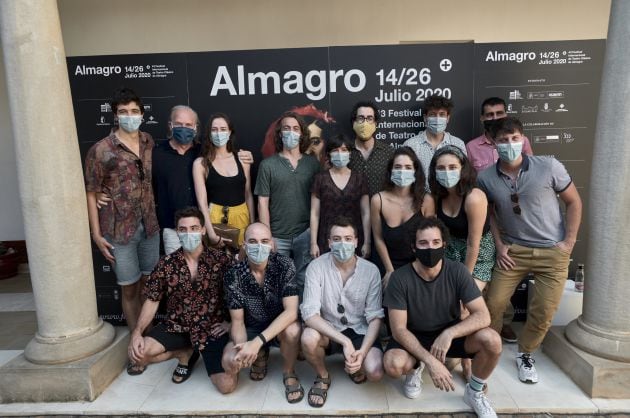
point(456, 350)
point(253, 333)
point(357, 340)
point(212, 352)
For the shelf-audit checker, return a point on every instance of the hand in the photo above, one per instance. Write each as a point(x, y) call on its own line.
point(565, 246)
point(441, 345)
point(365, 250)
point(504, 261)
point(349, 352)
point(442, 378)
point(247, 352)
point(245, 156)
point(104, 247)
point(314, 251)
point(220, 328)
point(386, 278)
point(136, 348)
point(354, 363)
point(217, 241)
point(102, 199)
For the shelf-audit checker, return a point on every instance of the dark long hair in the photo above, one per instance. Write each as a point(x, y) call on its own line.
point(208, 150)
point(304, 137)
point(467, 175)
point(417, 188)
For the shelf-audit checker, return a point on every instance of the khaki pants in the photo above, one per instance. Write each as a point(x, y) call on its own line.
point(550, 267)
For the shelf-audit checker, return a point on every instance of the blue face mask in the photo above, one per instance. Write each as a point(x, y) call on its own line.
point(257, 253)
point(510, 151)
point(129, 123)
point(342, 250)
point(290, 139)
point(183, 135)
point(447, 178)
point(220, 138)
point(403, 178)
point(340, 158)
point(189, 240)
point(436, 124)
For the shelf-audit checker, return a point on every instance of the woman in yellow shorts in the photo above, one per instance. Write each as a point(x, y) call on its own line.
point(222, 183)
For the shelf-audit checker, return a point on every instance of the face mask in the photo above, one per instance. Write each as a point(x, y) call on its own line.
point(447, 178)
point(429, 257)
point(183, 135)
point(129, 123)
point(342, 251)
point(189, 240)
point(436, 124)
point(290, 139)
point(339, 158)
point(403, 178)
point(510, 151)
point(257, 253)
point(220, 138)
point(364, 130)
point(489, 124)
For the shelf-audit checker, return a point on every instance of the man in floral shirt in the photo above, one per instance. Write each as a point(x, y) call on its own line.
point(191, 279)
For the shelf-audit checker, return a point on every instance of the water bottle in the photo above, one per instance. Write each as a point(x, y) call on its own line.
point(579, 278)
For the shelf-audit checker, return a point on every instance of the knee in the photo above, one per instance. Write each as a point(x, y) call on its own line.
point(490, 341)
point(393, 364)
point(224, 384)
point(310, 340)
point(292, 332)
point(374, 372)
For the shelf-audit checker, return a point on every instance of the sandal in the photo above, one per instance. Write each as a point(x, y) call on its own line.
point(358, 377)
point(321, 392)
point(291, 389)
point(184, 371)
point(258, 369)
point(134, 370)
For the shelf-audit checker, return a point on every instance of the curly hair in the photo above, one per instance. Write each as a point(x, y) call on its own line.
point(467, 175)
point(417, 189)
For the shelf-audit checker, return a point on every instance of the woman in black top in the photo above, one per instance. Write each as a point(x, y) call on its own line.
point(222, 183)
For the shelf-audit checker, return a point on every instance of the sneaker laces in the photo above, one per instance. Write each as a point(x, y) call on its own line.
point(483, 402)
point(528, 362)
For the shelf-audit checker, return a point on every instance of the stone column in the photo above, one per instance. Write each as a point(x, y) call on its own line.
point(51, 185)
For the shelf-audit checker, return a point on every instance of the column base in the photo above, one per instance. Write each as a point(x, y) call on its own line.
point(82, 380)
point(602, 343)
point(598, 377)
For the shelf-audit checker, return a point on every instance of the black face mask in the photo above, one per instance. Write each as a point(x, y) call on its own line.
point(429, 257)
point(491, 124)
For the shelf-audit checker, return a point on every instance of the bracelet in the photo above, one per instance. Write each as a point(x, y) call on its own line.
point(219, 241)
point(262, 338)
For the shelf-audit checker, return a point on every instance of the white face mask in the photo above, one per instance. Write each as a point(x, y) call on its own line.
point(129, 123)
point(189, 240)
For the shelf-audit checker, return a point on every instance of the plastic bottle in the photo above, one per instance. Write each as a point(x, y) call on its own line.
point(579, 278)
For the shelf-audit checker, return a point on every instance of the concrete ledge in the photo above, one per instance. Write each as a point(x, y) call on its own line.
point(598, 377)
point(82, 380)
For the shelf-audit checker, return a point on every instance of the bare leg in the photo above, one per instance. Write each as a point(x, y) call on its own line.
point(131, 303)
point(289, 348)
point(373, 365)
point(397, 362)
point(486, 344)
point(314, 347)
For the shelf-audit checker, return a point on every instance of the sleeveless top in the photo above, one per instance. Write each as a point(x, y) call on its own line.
point(458, 225)
point(398, 239)
point(226, 191)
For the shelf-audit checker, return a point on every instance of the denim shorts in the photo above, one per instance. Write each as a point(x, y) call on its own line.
point(171, 241)
point(137, 258)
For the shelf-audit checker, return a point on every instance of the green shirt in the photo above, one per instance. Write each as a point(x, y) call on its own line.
point(288, 190)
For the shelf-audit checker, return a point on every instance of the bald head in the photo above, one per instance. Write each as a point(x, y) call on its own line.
point(258, 232)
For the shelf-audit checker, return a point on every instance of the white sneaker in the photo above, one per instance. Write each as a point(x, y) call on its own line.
point(413, 382)
point(479, 402)
point(526, 371)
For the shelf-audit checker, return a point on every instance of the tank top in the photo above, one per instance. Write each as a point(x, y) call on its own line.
point(226, 191)
point(398, 239)
point(458, 225)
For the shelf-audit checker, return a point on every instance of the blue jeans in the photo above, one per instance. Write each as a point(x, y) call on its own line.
point(137, 258)
point(299, 249)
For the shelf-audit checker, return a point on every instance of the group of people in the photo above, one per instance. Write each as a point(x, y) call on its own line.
point(422, 245)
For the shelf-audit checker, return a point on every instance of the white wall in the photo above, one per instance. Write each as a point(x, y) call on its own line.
point(101, 27)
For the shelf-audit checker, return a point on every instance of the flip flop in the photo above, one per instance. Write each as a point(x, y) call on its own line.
point(184, 371)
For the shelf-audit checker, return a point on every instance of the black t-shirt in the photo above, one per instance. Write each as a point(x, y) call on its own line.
point(173, 184)
point(431, 306)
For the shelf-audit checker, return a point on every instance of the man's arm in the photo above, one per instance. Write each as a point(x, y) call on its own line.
point(95, 227)
point(136, 342)
point(504, 261)
point(263, 210)
point(573, 202)
point(238, 332)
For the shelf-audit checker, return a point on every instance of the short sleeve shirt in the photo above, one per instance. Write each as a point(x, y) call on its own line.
point(192, 305)
point(375, 167)
point(540, 223)
point(112, 168)
point(288, 190)
point(424, 150)
point(261, 304)
point(431, 306)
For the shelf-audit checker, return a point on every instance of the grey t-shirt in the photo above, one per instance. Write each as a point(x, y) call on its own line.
point(431, 306)
point(288, 190)
point(540, 223)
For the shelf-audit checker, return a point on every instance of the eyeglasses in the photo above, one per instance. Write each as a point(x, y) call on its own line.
point(140, 168)
point(226, 210)
point(362, 119)
point(342, 310)
point(515, 206)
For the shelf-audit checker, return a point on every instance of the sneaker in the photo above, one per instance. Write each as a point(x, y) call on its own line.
point(479, 402)
point(508, 335)
point(413, 382)
point(526, 371)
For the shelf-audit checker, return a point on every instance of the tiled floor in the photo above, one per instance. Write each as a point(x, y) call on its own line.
point(153, 393)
